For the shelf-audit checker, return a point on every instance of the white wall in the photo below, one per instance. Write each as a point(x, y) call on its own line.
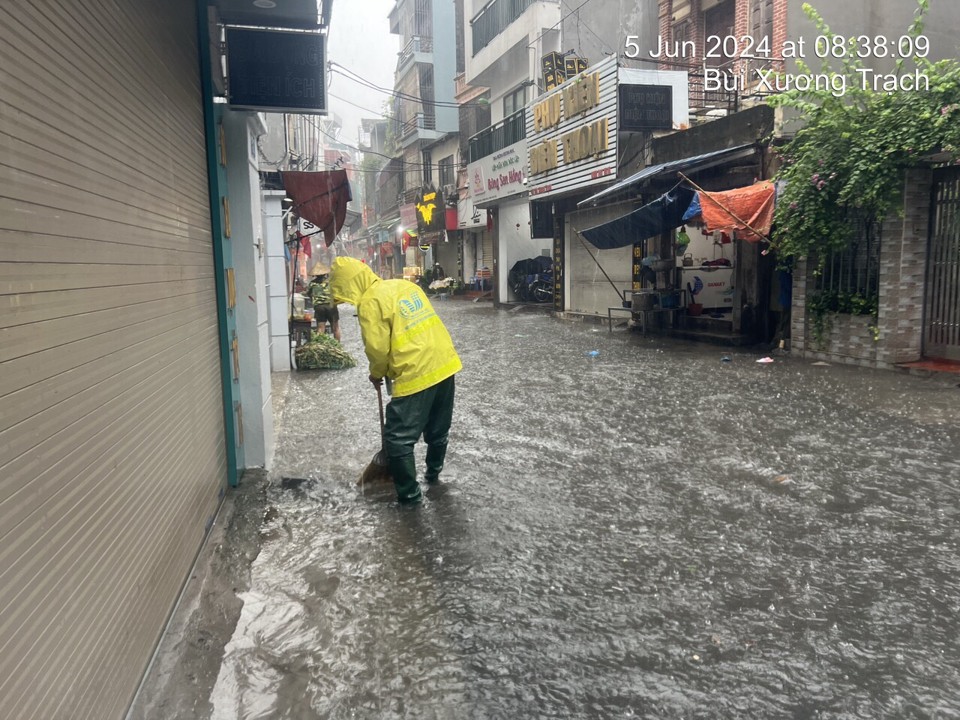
point(497, 61)
point(249, 259)
point(515, 243)
point(278, 307)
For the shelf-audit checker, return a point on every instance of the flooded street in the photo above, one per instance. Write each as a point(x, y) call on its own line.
point(657, 530)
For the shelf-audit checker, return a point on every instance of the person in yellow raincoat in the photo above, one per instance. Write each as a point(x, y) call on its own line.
point(406, 342)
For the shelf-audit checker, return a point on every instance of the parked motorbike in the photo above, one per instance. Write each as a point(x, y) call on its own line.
point(532, 280)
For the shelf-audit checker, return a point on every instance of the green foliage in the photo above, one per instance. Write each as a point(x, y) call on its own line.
point(391, 143)
point(323, 352)
point(852, 149)
point(371, 164)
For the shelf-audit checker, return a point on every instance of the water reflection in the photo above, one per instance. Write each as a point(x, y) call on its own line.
point(644, 532)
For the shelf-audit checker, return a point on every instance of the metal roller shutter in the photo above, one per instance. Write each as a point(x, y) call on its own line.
point(486, 252)
point(112, 454)
point(590, 291)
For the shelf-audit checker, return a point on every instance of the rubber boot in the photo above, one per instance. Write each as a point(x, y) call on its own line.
point(404, 471)
point(435, 455)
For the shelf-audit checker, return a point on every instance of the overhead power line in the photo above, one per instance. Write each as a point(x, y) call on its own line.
point(350, 75)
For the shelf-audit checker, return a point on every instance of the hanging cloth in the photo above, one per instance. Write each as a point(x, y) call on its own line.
point(320, 198)
point(735, 210)
point(694, 209)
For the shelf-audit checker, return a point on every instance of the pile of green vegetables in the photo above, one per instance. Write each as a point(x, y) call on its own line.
point(323, 352)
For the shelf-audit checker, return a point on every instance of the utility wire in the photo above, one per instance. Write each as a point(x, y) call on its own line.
point(350, 75)
point(580, 22)
point(558, 22)
point(406, 165)
point(378, 113)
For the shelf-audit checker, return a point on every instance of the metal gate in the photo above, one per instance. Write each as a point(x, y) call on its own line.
point(942, 332)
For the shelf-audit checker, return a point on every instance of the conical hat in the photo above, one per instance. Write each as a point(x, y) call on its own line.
point(319, 269)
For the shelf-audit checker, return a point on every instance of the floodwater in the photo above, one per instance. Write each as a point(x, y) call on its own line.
point(657, 530)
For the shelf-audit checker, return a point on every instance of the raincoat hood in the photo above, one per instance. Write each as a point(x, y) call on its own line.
point(350, 279)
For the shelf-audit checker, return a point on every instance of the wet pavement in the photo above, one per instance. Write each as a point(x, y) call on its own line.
point(652, 530)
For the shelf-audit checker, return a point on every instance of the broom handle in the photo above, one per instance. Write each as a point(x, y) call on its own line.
point(383, 439)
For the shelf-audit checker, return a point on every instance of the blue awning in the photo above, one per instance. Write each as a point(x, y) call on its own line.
point(697, 162)
point(664, 213)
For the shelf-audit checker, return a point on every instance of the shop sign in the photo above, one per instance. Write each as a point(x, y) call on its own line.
point(571, 133)
point(652, 100)
point(273, 70)
point(431, 214)
point(556, 68)
point(585, 141)
point(572, 130)
point(543, 157)
point(469, 216)
point(646, 107)
point(499, 174)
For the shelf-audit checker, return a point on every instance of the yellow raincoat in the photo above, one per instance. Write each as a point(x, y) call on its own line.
point(403, 336)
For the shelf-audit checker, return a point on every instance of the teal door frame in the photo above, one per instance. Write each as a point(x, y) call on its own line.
point(222, 252)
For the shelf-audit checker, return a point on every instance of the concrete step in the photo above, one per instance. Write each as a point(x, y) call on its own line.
point(714, 337)
point(931, 366)
point(706, 323)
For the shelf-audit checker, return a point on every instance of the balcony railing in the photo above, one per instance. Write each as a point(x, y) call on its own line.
point(420, 121)
point(703, 101)
point(494, 19)
point(511, 129)
point(417, 44)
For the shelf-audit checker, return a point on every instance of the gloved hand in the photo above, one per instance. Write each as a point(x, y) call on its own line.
point(376, 381)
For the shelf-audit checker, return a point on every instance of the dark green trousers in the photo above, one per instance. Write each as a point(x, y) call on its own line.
point(428, 413)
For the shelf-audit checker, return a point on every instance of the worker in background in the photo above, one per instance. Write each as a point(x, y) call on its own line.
point(406, 342)
point(324, 307)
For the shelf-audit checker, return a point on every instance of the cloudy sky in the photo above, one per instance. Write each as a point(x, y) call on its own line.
point(360, 41)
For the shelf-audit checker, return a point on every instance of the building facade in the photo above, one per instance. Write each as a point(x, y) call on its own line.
point(135, 361)
point(424, 115)
point(899, 264)
point(503, 44)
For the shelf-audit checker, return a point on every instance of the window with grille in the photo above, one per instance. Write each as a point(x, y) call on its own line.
point(427, 167)
point(719, 21)
point(850, 280)
point(423, 18)
point(447, 174)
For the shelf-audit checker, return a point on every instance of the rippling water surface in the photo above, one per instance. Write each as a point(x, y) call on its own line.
point(650, 533)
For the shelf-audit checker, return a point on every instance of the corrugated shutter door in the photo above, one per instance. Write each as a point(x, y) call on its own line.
point(112, 449)
point(590, 291)
point(487, 251)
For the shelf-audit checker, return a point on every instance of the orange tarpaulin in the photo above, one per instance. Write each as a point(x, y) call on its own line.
point(320, 198)
point(736, 209)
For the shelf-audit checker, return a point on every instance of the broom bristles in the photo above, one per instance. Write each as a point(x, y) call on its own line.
point(377, 471)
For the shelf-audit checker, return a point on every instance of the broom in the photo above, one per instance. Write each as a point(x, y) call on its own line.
point(379, 469)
